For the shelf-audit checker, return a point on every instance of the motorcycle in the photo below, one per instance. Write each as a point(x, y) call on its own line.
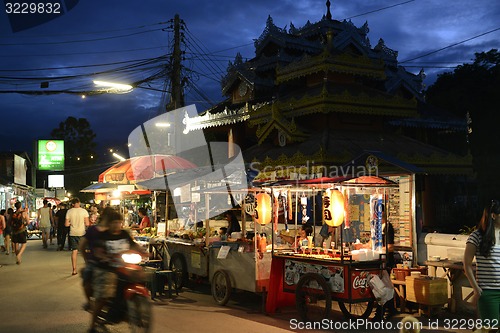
point(131, 303)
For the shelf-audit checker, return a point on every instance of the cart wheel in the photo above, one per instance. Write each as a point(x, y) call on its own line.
point(221, 287)
point(312, 298)
point(179, 267)
point(356, 310)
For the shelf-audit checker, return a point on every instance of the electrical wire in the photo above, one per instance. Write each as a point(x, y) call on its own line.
point(78, 41)
point(449, 46)
point(380, 9)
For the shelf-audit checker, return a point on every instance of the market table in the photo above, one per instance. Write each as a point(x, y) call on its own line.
point(452, 270)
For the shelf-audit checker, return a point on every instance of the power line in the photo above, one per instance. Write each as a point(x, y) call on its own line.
point(449, 46)
point(380, 9)
point(80, 41)
point(86, 33)
point(83, 66)
point(80, 53)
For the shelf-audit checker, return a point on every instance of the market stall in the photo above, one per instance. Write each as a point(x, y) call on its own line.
point(193, 243)
point(315, 274)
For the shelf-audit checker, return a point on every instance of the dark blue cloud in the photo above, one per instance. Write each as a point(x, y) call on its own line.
point(413, 29)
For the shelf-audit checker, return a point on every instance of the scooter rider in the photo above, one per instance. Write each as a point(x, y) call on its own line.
point(112, 242)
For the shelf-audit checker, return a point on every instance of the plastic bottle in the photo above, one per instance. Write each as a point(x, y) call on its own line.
point(262, 244)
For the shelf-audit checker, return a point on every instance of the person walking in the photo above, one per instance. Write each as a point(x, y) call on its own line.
point(484, 244)
point(62, 229)
point(2, 231)
point(93, 215)
point(77, 218)
point(45, 219)
point(19, 220)
point(7, 232)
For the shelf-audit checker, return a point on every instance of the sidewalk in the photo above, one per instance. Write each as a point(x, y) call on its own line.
point(41, 295)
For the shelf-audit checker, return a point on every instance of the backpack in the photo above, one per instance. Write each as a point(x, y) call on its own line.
point(17, 221)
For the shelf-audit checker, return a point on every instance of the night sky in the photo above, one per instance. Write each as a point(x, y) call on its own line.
point(127, 41)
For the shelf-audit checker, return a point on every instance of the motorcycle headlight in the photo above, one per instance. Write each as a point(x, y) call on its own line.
point(132, 258)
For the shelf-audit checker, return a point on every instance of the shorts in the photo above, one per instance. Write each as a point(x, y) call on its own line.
point(45, 230)
point(104, 283)
point(19, 238)
point(2, 242)
point(74, 241)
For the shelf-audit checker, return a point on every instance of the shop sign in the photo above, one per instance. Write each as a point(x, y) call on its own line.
point(51, 155)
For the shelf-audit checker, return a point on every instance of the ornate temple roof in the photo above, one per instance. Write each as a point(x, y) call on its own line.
point(328, 68)
point(326, 46)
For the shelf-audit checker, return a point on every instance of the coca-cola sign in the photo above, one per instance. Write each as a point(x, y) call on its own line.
point(361, 282)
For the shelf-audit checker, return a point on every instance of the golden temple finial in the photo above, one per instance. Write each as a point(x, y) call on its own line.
point(328, 13)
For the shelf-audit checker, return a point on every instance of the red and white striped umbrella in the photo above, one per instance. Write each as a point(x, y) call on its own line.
point(143, 168)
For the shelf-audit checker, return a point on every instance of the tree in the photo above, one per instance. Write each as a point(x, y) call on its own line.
point(472, 90)
point(79, 151)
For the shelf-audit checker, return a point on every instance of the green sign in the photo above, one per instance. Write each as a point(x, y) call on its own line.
point(51, 155)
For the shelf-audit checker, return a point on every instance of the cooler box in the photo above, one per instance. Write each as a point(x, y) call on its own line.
point(427, 290)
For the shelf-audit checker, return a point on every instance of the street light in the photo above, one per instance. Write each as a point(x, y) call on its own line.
point(121, 158)
point(114, 87)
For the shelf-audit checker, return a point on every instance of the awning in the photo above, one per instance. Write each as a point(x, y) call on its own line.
point(143, 168)
point(204, 177)
point(100, 187)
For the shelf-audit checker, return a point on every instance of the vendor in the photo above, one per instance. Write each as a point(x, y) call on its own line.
point(233, 224)
point(189, 223)
point(223, 233)
point(325, 233)
point(300, 239)
point(145, 222)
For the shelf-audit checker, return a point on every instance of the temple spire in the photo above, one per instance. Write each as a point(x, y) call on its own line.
point(328, 13)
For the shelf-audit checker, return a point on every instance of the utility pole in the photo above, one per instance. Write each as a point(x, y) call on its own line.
point(176, 82)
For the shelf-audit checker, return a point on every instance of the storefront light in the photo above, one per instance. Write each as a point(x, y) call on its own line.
point(263, 210)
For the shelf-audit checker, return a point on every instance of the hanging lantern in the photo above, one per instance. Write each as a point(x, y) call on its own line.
point(263, 210)
point(333, 207)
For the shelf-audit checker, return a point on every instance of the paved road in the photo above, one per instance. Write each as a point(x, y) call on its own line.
point(41, 295)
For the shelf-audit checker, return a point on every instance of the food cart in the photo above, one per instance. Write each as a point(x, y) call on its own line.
point(317, 274)
point(239, 263)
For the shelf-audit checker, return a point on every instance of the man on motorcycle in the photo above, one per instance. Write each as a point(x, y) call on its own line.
point(86, 247)
point(107, 250)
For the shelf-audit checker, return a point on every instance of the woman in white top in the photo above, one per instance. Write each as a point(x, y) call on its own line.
point(484, 244)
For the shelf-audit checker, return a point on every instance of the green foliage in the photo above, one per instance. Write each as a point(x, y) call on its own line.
point(473, 89)
point(80, 154)
point(79, 145)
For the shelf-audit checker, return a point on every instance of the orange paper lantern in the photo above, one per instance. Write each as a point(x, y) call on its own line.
point(263, 210)
point(333, 207)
